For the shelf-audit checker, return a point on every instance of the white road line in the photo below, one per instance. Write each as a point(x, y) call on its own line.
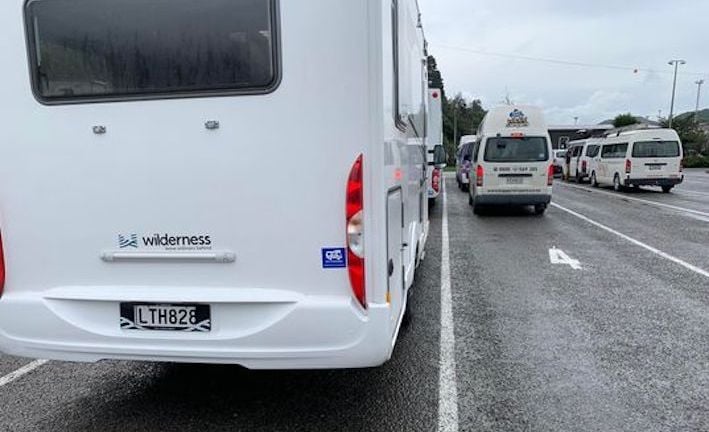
point(629, 198)
point(447, 380)
point(635, 242)
point(24, 370)
point(690, 192)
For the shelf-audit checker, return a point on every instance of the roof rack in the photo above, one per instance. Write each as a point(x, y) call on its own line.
point(628, 129)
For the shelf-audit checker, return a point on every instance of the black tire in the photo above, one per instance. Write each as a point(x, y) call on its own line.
point(617, 186)
point(667, 189)
point(477, 210)
point(579, 179)
point(431, 202)
point(594, 180)
point(539, 209)
point(466, 187)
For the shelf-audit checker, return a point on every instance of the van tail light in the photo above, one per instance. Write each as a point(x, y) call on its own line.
point(436, 180)
point(2, 267)
point(628, 166)
point(480, 176)
point(355, 231)
point(584, 167)
point(550, 175)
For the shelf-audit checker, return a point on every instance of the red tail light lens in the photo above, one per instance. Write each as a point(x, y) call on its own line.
point(550, 175)
point(355, 231)
point(2, 267)
point(480, 174)
point(436, 180)
point(628, 166)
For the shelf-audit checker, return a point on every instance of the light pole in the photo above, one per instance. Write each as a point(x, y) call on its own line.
point(676, 63)
point(699, 95)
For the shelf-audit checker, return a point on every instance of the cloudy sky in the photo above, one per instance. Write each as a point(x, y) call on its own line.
point(485, 49)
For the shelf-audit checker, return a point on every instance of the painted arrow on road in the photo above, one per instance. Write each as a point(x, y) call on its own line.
point(559, 257)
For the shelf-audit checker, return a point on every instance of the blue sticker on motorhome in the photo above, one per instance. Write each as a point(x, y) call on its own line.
point(334, 258)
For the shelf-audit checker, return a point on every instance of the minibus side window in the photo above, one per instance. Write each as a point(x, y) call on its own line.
point(656, 149)
point(95, 50)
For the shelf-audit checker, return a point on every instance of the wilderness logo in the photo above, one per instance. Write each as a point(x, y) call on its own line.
point(165, 241)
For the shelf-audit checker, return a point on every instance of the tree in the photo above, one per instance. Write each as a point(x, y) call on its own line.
point(435, 79)
point(625, 120)
point(693, 137)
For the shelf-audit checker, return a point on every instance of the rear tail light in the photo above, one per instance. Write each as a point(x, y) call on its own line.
point(2, 267)
point(436, 180)
point(550, 175)
point(628, 166)
point(355, 231)
point(480, 174)
point(584, 167)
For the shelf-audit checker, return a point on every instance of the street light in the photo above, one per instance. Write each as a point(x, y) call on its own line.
point(699, 95)
point(676, 63)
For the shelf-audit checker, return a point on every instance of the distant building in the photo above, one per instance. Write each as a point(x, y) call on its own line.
point(561, 135)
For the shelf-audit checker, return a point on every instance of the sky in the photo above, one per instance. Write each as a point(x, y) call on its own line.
point(485, 50)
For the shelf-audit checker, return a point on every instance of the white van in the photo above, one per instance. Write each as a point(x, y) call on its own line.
point(645, 157)
point(512, 160)
point(436, 153)
point(580, 155)
point(215, 182)
point(464, 161)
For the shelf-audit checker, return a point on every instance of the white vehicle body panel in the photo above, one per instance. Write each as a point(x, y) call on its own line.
point(66, 194)
point(511, 182)
point(434, 137)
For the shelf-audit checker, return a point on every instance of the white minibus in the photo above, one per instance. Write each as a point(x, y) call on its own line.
point(464, 161)
point(580, 154)
point(211, 181)
point(512, 160)
point(645, 157)
point(436, 153)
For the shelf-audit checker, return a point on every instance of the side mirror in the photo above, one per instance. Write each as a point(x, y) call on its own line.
point(440, 157)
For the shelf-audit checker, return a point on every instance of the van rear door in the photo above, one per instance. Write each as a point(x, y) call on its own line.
point(516, 164)
point(656, 159)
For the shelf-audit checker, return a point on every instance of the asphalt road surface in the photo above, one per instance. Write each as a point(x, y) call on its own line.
point(613, 336)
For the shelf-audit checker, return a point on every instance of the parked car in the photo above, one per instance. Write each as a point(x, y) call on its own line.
point(559, 161)
point(464, 161)
point(646, 157)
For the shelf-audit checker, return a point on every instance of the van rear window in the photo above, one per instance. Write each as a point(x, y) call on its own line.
point(529, 149)
point(126, 49)
point(656, 149)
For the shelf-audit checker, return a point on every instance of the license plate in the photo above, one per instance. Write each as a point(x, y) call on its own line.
point(655, 167)
point(166, 317)
point(515, 181)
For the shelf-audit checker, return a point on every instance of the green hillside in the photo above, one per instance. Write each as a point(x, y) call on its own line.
point(703, 115)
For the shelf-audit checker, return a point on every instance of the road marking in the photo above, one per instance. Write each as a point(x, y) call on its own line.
point(636, 242)
point(690, 192)
point(24, 370)
point(629, 198)
point(559, 257)
point(447, 380)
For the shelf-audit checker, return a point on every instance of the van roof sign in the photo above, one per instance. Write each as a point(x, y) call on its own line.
point(517, 119)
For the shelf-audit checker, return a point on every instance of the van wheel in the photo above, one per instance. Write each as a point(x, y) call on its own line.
point(667, 189)
point(431, 202)
point(578, 177)
point(466, 188)
point(594, 180)
point(539, 209)
point(477, 209)
point(616, 184)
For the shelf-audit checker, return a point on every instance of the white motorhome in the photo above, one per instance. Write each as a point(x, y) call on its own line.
point(434, 144)
point(644, 157)
point(512, 160)
point(217, 182)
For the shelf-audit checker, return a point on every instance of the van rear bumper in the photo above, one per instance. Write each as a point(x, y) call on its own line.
point(510, 199)
point(654, 181)
point(314, 333)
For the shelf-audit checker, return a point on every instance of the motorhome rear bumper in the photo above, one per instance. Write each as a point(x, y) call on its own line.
point(510, 199)
point(654, 181)
point(314, 333)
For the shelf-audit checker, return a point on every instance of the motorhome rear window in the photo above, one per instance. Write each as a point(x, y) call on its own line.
point(126, 49)
point(656, 149)
point(530, 149)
